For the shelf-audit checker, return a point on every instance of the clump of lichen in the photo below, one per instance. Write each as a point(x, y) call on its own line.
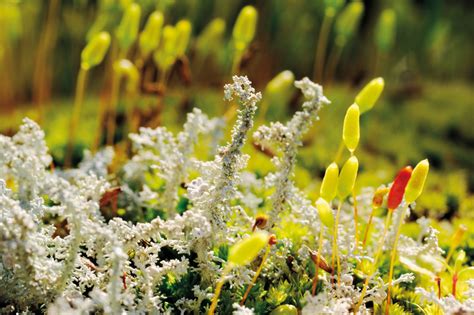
point(154, 235)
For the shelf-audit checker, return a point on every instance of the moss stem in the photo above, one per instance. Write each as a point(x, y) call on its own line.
point(316, 277)
point(76, 114)
point(219, 285)
point(374, 265)
point(335, 253)
point(257, 273)
point(392, 258)
point(320, 55)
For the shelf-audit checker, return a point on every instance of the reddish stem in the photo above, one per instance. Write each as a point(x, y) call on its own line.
point(438, 283)
point(455, 281)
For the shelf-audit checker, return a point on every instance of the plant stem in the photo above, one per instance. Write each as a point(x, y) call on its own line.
point(356, 235)
point(112, 109)
point(322, 45)
point(367, 228)
point(257, 273)
point(332, 63)
point(374, 265)
point(335, 254)
point(320, 247)
point(76, 113)
point(236, 63)
point(42, 72)
point(219, 285)
point(455, 281)
point(392, 259)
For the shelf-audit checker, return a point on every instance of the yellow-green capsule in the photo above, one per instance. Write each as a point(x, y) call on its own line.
point(348, 20)
point(211, 37)
point(369, 94)
point(331, 7)
point(183, 34)
point(165, 55)
point(245, 27)
point(385, 30)
point(244, 251)
point(11, 23)
point(285, 309)
point(279, 90)
point(328, 188)
point(95, 50)
point(347, 178)
point(351, 129)
point(125, 68)
point(149, 38)
point(281, 82)
point(325, 212)
point(417, 181)
point(127, 31)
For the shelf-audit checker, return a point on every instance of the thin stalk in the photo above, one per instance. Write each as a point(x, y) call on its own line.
point(236, 63)
point(438, 284)
point(335, 254)
point(333, 62)
point(111, 123)
point(321, 47)
point(374, 265)
point(112, 110)
point(219, 285)
point(356, 234)
point(320, 247)
point(367, 228)
point(42, 71)
point(76, 113)
point(455, 282)
point(257, 273)
point(392, 259)
point(105, 104)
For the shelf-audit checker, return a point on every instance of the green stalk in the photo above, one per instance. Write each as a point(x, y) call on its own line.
point(367, 228)
point(76, 113)
point(112, 110)
point(333, 62)
point(219, 285)
point(320, 247)
point(321, 47)
point(356, 235)
point(374, 265)
point(392, 259)
point(236, 63)
point(335, 254)
point(257, 273)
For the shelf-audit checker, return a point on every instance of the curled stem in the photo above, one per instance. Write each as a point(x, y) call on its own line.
point(257, 273)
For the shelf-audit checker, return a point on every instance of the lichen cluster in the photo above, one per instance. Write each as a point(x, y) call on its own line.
point(153, 235)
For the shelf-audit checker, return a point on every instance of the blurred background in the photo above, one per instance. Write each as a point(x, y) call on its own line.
point(422, 48)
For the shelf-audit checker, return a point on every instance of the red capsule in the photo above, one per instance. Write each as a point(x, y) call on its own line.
point(397, 190)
